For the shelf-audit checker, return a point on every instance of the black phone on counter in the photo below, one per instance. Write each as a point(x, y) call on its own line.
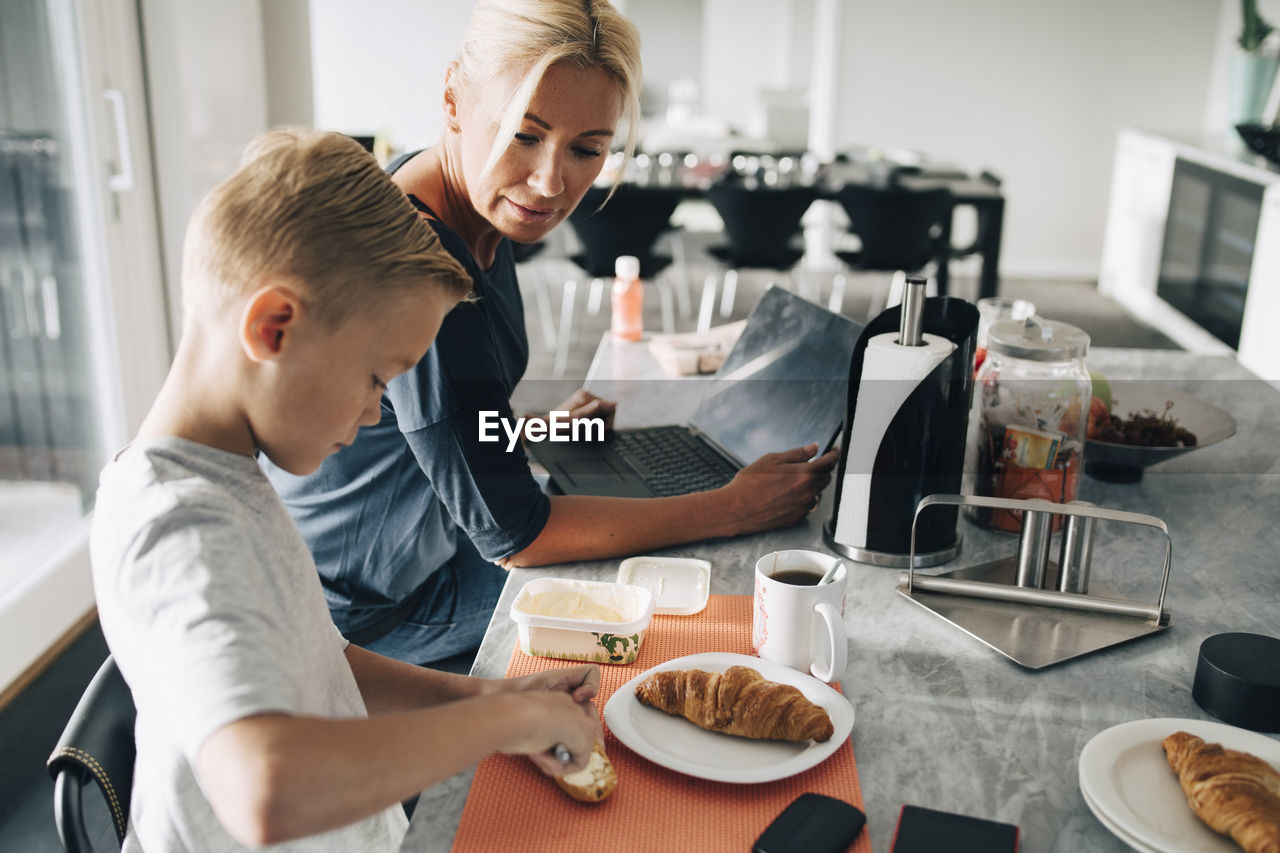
point(922, 830)
point(813, 823)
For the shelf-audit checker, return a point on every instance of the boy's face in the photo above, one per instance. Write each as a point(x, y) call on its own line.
point(329, 382)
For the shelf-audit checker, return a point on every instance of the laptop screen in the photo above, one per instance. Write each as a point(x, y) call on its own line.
point(785, 381)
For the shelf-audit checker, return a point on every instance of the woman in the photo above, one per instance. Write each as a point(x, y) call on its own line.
point(407, 524)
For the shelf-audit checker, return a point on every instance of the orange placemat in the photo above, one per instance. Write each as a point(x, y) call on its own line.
point(513, 806)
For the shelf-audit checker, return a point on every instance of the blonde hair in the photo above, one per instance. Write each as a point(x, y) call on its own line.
point(314, 207)
point(533, 35)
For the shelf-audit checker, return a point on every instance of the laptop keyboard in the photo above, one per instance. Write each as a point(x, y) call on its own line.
point(673, 461)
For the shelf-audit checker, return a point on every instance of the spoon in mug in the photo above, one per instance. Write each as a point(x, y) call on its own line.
point(831, 572)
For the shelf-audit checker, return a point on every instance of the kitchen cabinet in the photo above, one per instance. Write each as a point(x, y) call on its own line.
point(1192, 245)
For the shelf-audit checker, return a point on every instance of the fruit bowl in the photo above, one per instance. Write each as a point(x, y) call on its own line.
point(1125, 463)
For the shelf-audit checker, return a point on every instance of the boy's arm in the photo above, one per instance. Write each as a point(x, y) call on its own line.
point(273, 777)
point(388, 685)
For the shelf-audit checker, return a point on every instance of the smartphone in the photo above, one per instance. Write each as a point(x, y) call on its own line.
point(813, 823)
point(831, 442)
point(922, 830)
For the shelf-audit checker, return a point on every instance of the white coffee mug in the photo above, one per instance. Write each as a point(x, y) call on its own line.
point(795, 621)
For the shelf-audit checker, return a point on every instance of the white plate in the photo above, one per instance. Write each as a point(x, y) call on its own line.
point(677, 744)
point(1115, 828)
point(1126, 778)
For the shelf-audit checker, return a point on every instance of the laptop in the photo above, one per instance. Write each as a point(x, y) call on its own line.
point(783, 385)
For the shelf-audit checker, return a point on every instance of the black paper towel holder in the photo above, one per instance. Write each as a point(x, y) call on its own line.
point(922, 452)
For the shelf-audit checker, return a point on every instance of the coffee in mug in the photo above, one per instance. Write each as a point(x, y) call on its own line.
point(797, 577)
point(796, 621)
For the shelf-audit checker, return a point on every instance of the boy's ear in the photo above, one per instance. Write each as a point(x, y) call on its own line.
point(451, 98)
point(269, 322)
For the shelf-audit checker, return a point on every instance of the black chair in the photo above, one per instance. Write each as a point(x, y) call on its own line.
point(630, 222)
point(96, 746)
point(899, 228)
point(762, 227)
point(760, 223)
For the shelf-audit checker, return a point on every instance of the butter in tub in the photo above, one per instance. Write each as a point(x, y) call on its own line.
point(582, 620)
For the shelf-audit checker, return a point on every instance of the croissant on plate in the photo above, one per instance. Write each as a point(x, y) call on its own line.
point(739, 702)
point(1235, 793)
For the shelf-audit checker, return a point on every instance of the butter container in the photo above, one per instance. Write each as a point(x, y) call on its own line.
point(582, 620)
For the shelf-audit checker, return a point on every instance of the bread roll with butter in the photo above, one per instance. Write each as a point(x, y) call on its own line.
point(594, 782)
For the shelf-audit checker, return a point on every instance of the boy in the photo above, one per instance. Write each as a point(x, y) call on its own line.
point(308, 282)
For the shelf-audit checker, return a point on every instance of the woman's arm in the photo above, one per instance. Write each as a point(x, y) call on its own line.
point(776, 490)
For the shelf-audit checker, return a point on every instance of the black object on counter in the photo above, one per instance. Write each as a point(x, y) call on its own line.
point(1238, 680)
point(922, 830)
point(922, 450)
point(813, 823)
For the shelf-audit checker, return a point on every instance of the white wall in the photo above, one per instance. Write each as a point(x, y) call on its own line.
point(750, 45)
point(1034, 90)
point(671, 48)
point(204, 108)
point(378, 66)
point(286, 38)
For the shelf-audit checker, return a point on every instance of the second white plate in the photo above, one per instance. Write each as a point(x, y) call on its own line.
point(1127, 782)
point(677, 744)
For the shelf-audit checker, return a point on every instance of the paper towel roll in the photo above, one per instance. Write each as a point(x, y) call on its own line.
point(890, 372)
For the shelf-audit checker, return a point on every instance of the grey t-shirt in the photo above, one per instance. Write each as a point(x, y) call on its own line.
point(211, 605)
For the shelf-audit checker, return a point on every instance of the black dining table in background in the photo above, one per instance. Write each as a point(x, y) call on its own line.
point(640, 209)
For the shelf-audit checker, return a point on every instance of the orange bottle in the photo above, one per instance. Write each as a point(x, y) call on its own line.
point(628, 299)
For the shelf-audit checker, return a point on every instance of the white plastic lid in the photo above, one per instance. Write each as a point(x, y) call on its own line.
point(680, 585)
point(627, 266)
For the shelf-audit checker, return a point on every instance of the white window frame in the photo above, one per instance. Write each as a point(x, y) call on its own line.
point(125, 295)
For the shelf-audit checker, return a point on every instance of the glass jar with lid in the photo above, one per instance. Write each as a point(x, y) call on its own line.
point(1029, 417)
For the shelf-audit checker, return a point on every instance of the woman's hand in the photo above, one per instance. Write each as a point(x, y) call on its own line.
point(779, 489)
point(583, 404)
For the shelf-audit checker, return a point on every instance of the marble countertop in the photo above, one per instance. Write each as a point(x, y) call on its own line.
point(942, 720)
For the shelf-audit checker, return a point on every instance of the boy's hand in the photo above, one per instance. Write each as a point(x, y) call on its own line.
point(581, 682)
point(556, 720)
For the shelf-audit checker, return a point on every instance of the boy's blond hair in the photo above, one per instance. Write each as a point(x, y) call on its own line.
point(314, 207)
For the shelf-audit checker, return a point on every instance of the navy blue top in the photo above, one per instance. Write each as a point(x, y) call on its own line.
point(382, 515)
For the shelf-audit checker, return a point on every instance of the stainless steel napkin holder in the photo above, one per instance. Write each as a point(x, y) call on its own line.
point(1035, 611)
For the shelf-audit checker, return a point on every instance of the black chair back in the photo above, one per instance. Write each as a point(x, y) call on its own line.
point(760, 222)
point(96, 746)
point(900, 228)
point(628, 224)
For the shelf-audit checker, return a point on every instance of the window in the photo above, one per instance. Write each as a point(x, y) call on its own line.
point(83, 336)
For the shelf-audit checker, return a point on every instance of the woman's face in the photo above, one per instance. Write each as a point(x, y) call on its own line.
point(558, 149)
